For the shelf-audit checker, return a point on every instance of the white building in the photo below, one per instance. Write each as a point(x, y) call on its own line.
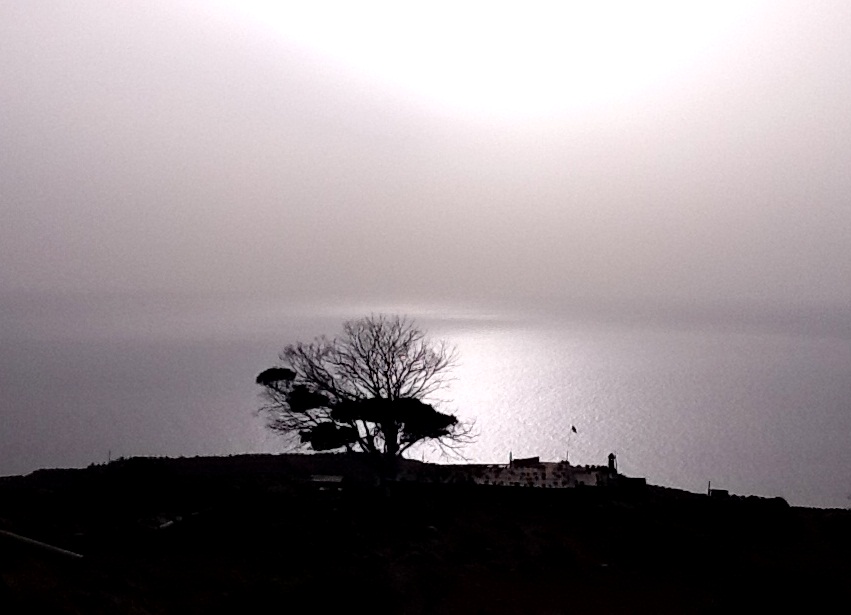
point(529, 472)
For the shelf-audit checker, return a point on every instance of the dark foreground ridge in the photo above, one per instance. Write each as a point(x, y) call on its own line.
point(254, 533)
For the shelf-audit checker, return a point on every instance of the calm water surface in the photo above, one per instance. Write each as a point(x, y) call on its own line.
point(756, 410)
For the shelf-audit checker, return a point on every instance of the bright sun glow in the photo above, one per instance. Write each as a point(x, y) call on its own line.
point(509, 58)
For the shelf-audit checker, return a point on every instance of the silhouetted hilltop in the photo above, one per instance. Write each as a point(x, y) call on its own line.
point(310, 532)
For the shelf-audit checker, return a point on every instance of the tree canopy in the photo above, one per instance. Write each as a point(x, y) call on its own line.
point(370, 389)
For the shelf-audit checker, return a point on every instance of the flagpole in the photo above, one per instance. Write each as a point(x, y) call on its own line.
point(567, 452)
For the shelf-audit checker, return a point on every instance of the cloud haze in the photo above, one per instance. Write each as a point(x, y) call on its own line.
point(174, 147)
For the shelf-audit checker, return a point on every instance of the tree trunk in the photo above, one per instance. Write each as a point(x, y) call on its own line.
point(390, 431)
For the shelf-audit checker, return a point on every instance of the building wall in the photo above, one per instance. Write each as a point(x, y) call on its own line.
point(546, 475)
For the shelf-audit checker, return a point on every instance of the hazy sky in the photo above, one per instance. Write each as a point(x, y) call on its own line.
point(180, 178)
point(696, 151)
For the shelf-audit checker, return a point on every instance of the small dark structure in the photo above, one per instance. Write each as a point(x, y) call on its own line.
point(613, 464)
point(526, 462)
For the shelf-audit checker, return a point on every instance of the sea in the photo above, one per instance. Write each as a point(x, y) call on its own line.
point(754, 401)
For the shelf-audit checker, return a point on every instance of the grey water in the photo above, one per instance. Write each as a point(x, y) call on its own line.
point(759, 404)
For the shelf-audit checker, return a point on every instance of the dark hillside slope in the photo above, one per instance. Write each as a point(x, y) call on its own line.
point(253, 534)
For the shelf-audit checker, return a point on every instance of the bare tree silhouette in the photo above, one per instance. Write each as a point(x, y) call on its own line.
point(366, 390)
